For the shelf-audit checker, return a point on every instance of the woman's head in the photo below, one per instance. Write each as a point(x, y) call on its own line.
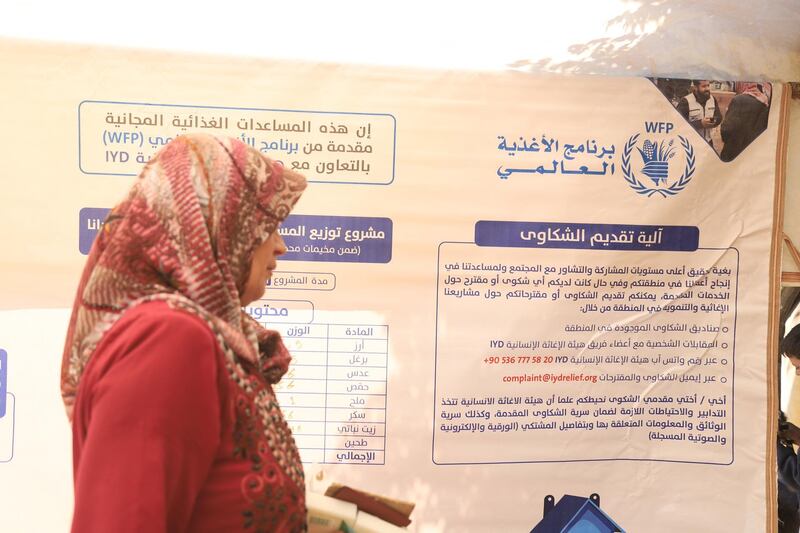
point(200, 226)
point(193, 222)
point(790, 347)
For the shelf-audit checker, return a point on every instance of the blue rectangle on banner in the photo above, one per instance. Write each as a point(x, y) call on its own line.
point(337, 239)
point(308, 237)
point(586, 236)
point(3, 381)
point(90, 220)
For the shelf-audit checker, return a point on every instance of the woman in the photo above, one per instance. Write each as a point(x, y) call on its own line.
point(168, 383)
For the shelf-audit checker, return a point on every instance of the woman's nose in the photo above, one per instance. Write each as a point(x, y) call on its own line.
point(280, 246)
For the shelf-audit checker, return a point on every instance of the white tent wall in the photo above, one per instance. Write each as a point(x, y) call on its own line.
point(676, 38)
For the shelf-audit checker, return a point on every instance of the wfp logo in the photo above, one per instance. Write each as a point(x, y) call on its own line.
point(661, 172)
point(656, 156)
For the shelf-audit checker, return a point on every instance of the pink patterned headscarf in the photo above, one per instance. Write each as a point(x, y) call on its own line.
point(185, 235)
point(760, 91)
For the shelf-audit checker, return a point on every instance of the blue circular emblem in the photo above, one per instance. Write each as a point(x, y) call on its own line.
point(656, 157)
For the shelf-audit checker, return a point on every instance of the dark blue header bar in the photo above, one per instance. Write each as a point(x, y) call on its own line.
point(337, 239)
point(586, 236)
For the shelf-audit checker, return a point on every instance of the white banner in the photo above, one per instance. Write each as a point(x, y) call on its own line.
point(522, 303)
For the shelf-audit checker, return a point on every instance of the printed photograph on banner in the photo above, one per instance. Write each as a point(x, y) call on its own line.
point(728, 115)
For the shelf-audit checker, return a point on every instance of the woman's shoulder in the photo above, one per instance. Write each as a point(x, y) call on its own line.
point(159, 312)
point(159, 318)
point(156, 328)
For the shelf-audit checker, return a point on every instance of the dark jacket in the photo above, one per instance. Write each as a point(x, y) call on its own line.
point(683, 109)
point(745, 119)
point(788, 490)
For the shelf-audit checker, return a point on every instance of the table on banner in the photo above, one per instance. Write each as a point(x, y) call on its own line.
point(334, 395)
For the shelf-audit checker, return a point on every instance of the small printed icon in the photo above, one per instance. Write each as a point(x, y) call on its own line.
point(3, 381)
point(575, 514)
point(6, 412)
point(656, 156)
point(660, 163)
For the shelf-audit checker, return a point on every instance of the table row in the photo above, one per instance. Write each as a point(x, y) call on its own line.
point(291, 399)
point(332, 414)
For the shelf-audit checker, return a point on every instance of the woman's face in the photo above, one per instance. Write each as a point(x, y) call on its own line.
point(261, 267)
